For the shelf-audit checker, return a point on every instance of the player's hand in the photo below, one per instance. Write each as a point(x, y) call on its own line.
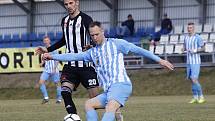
point(47, 56)
point(87, 47)
point(166, 64)
point(41, 64)
point(193, 51)
point(182, 50)
point(41, 50)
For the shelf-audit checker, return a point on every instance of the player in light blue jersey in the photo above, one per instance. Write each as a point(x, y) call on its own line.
point(107, 56)
point(50, 71)
point(193, 44)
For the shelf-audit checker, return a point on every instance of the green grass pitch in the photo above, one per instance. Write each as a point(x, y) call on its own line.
point(152, 108)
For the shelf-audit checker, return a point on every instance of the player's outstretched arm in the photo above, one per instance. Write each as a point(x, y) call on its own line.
point(126, 47)
point(166, 64)
point(68, 57)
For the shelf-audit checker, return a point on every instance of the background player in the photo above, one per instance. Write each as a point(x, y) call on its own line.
point(193, 44)
point(50, 71)
point(108, 58)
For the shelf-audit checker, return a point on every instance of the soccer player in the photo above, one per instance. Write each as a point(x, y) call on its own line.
point(50, 71)
point(108, 58)
point(75, 37)
point(193, 44)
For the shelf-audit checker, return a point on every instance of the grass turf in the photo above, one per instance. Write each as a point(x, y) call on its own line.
point(145, 108)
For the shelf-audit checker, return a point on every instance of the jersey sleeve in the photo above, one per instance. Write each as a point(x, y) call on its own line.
point(60, 43)
point(87, 20)
point(126, 47)
point(73, 56)
point(200, 42)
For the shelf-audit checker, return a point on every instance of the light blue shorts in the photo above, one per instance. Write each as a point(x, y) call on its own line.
point(193, 71)
point(54, 77)
point(118, 92)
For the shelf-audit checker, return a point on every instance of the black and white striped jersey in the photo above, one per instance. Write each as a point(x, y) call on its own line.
point(75, 36)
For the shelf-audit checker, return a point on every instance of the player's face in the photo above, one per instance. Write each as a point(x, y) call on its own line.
point(72, 6)
point(190, 29)
point(47, 42)
point(97, 34)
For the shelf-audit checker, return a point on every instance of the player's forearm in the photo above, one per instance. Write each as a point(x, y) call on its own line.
point(145, 53)
point(202, 49)
point(68, 57)
point(198, 50)
point(57, 45)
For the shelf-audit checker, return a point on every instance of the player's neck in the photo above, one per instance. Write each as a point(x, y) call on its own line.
point(74, 15)
point(191, 34)
point(102, 42)
point(48, 45)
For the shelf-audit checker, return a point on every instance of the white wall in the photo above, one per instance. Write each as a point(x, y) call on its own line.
point(182, 11)
point(48, 15)
point(12, 19)
point(141, 10)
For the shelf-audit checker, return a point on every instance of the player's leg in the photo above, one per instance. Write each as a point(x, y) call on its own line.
point(119, 116)
point(95, 103)
point(44, 76)
point(88, 78)
point(110, 110)
point(67, 87)
point(90, 82)
point(195, 77)
point(117, 95)
point(193, 86)
point(56, 78)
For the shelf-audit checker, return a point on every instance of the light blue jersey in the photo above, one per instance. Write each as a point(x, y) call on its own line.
point(191, 43)
point(108, 60)
point(51, 66)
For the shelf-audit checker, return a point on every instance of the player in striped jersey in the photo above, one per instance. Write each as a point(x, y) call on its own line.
point(50, 71)
point(76, 37)
point(108, 58)
point(193, 44)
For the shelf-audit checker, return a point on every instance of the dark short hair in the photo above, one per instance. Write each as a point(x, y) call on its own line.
point(190, 23)
point(129, 15)
point(46, 36)
point(95, 23)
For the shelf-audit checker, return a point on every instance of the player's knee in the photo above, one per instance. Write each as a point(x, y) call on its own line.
point(194, 80)
point(89, 105)
point(65, 90)
point(57, 84)
point(93, 92)
point(41, 82)
point(112, 106)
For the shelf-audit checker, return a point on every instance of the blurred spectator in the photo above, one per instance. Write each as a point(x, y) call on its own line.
point(127, 27)
point(166, 28)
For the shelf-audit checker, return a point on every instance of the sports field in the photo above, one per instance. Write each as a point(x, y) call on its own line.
point(153, 108)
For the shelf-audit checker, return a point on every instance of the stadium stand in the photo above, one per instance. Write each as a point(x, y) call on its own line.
point(207, 28)
point(209, 47)
point(174, 39)
point(159, 49)
point(169, 49)
point(178, 29)
point(164, 39)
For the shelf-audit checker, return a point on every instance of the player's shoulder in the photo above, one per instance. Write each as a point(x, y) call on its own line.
point(66, 16)
point(63, 19)
point(117, 42)
point(85, 16)
point(198, 37)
